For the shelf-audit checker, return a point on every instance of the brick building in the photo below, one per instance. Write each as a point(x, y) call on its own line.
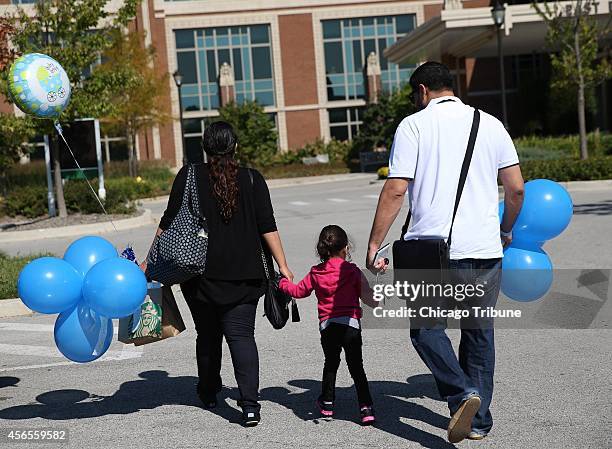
point(313, 64)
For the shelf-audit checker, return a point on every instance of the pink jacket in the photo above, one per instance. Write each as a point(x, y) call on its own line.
point(337, 284)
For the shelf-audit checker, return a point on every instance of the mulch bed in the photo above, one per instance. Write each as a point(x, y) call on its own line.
point(8, 224)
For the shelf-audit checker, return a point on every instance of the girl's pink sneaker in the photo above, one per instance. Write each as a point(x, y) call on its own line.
point(367, 414)
point(326, 409)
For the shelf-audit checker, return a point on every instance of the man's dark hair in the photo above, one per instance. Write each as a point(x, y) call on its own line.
point(433, 75)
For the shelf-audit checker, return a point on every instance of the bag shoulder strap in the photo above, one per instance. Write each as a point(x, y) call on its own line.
point(462, 176)
point(191, 194)
point(264, 258)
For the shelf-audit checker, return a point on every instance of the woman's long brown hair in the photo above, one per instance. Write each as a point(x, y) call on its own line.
point(219, 142)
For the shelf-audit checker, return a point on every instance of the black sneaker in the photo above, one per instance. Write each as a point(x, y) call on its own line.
point(250, 417)
point(209, 398)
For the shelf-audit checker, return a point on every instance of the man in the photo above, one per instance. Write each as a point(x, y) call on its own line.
point(426, 158)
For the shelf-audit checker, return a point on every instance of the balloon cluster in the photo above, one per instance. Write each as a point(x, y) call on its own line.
point(88, 287)
point(526, 268)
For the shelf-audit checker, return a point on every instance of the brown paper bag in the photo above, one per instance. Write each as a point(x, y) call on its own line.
point(171, 320)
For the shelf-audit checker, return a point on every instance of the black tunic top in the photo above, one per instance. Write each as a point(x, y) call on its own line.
point(234, 272)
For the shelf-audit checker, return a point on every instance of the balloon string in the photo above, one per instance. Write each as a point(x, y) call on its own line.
point(58, 127)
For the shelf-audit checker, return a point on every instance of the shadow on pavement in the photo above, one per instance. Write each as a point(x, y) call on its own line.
point(7, 381)
point(390, 403)
point(600, 208)
point(155, 388)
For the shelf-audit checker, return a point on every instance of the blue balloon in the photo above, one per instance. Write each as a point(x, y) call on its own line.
point(85, 252)
point(547, 210)
point(81, 334)
point(526, 273)
point(115, 287)
point(49, 285)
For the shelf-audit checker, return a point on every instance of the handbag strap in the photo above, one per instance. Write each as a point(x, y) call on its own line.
point(192, 195)
point(462, 176)
point(264, 259)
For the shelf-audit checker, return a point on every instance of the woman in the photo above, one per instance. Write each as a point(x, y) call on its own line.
point(223, 301)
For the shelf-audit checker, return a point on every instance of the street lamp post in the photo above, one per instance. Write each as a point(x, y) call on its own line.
point(178, 80)
point(499, 16)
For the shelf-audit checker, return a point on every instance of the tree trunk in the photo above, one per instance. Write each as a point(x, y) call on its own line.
point(584, 154)
point(57, 177)
point(130, 144)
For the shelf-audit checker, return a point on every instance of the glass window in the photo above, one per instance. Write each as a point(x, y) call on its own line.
point(344, 122)
point(246, 48)
point(347, 44)
point(187, 67)
point(333, 57)
point(339, 133)
point(192, 125)
point(331, 29)
point(259, 34)
point(262, 67)
point(237, 64)
point(405, 23)
point(184, 38)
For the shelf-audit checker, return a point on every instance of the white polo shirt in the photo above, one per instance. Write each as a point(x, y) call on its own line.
point(428, 148)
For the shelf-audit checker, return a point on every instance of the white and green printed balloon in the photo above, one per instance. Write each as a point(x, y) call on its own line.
point(39, 85)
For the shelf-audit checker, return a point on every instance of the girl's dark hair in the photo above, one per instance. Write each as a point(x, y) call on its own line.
point(219, 142)
point(332, 240)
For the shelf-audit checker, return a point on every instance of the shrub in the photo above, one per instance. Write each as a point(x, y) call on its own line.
point(380, 120)
point(28, 201)
point(9, 272)
point(299, 170)
point(157, 173)
point(257, 139)
point(337, 151)
point(561, 170)
point(568, 169)
point(383, 172)
point(556, 147)
point(31, 201)
point(119, 198)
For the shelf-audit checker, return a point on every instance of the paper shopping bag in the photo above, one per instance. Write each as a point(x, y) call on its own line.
point(172, 321)
point(145, 324)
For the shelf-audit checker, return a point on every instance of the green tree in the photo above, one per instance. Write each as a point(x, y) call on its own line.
point(140, 100)
point(380, 120)
point(76, 33)
point(14, 133)
point(573, 36)
point(257, 138)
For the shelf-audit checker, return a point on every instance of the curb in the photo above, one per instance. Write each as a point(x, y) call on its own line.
point(580, 186)
point(13, 307)
point(309, 180)
point(77, 230)
point(294, 182)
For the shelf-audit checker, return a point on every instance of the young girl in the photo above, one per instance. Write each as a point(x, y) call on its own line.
point(337, 284)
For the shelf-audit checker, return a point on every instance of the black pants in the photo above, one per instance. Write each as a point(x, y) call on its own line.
point(237, 324)
point(334, 338)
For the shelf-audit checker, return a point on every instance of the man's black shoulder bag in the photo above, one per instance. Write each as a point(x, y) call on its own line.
point(433, 254)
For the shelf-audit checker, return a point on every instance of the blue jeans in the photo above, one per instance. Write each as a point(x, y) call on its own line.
point(472, 372)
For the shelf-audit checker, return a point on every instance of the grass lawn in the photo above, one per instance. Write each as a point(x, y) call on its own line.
point(9, 271)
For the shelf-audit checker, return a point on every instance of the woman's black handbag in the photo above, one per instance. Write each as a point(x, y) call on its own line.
point(276, 302)
point(434, 254)
point(179, 253)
